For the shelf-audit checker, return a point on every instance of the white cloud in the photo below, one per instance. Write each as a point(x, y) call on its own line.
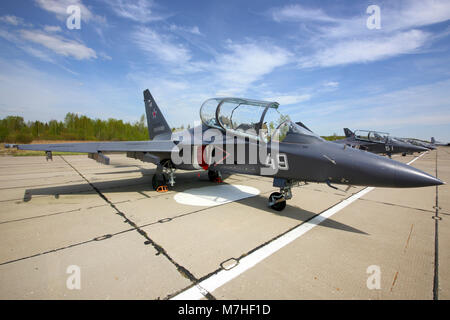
point(160, 46)
point(393, 111)
point(297, 12)
point(247, 63)
point(332, 84)
point(395, 16)
point(37, 53)
point(8, 36)
point(10, 19)
point(59, 8)
point(368, 50)
point(193, 30)
point(52, 28)
point(416, 13)
point(339, 41)
point(289, 99)
point(136, 10)
point(59, 44)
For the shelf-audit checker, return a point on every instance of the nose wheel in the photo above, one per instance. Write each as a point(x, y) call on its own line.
point(277, 201)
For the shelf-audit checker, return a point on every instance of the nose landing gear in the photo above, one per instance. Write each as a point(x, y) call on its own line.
point(277, 200)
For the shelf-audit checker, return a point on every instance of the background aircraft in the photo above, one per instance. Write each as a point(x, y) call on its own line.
point(378, 142)
point(438, 143)
point(419, 143)
point(233, 126)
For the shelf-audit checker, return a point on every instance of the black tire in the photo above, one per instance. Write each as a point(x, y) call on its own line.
point(404, 154)
point(158, 182)
point(279, 206)
point(213, 175)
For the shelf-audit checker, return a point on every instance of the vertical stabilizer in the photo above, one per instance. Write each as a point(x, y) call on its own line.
point(158, 128)
point(348, 132)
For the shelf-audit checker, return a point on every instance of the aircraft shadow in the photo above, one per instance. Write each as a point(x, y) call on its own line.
point(296, 213)
point(185, 180)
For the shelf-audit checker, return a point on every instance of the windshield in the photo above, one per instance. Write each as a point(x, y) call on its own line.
point(289, 128)
point(372, 136)
point(240, 116)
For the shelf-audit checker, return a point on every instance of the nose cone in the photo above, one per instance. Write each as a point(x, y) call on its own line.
point(418, 148)
point(410, 177)
point(356, 167)
point(409, 147)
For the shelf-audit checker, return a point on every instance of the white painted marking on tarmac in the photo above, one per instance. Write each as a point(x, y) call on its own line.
point(223, 276)
point(417, 158)
point(215, 195)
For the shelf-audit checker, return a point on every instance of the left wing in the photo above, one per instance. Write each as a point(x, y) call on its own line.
point(150, 150)
point(95, 147)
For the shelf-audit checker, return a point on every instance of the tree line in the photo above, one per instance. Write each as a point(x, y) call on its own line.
point(13, 129)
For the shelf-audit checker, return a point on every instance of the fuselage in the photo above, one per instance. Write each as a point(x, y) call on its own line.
point(298, 157)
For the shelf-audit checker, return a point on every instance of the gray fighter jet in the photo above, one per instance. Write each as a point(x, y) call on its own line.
point(419, 143)
point(378, 142)
point(438, 143)
point(252, 137)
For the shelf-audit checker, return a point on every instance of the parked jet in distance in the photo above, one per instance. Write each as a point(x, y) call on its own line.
point(237, 136)
point(419, 143)
point(378, 142)
point(438, 143)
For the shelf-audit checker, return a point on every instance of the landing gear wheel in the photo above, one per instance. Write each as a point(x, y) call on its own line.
point(277, 201)
point(156, 183)
point(404, 154)
point(214, 176)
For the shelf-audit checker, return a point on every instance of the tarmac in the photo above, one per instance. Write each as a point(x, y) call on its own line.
point(72, 228)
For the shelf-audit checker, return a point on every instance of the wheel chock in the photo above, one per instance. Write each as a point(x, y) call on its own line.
point(162, 189)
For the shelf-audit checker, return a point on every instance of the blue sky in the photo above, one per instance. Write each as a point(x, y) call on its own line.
point(318, 59)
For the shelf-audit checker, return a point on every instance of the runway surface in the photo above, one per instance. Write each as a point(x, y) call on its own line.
point(73, 221)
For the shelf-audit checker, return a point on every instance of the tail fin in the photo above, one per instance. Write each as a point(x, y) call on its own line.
point(432, 140)
point(157, 125)
point(348, 132)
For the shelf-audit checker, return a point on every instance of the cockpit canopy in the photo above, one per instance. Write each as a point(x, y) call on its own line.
point(252, 118)
point(372, 136)
point(241, 116)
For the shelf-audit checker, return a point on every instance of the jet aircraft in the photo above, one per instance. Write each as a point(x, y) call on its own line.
point(419, 143)
point(378, 142)
point(237, 136)
point(438, 143)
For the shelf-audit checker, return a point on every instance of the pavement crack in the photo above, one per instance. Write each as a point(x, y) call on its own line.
point(159, 249)
point(394, 281)
point(409, 237)
point(436, 239)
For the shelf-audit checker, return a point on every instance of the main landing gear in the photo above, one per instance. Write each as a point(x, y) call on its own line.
point(215, 176)
point(165, 174)
point(277, 200)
